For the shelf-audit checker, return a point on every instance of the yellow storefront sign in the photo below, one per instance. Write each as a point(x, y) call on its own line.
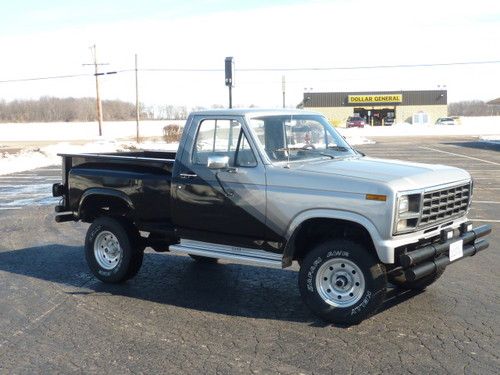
point(385, 98)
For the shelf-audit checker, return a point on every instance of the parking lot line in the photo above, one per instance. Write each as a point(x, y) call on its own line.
point(487, 220)
point(460, 155)
point(487, 202)
point(486, 178)
point(483, 170)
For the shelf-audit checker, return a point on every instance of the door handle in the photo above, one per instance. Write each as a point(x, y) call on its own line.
point(188, 175)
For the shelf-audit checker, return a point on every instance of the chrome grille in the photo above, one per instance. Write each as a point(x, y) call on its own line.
point(444, 204)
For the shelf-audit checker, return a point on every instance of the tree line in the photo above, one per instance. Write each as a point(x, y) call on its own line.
point(473, 108)
point(51, 109)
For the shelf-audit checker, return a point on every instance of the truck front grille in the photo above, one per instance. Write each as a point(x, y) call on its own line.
point(444, 204)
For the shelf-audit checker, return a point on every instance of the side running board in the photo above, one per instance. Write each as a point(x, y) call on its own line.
point(238, 254)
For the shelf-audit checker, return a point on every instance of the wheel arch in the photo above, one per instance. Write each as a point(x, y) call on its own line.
point(96, 200)
point(345, 225)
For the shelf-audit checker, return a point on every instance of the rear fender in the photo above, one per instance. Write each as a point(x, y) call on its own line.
point(103, 192)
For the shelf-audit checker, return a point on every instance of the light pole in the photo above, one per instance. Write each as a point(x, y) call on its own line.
point(283, 89)
point(229, 68)
point(136, 101)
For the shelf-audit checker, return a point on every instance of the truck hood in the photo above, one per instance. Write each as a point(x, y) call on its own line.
point(400, 175)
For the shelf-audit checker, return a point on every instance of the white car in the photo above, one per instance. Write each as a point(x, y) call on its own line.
point(445, 121)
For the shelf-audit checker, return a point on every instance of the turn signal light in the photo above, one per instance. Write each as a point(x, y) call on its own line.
point(376, 197)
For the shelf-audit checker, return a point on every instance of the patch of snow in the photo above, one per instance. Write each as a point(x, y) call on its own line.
point(26, 195)
point(33, 158)
point(355, 140)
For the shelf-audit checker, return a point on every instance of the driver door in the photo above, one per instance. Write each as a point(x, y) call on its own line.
point(229, 201)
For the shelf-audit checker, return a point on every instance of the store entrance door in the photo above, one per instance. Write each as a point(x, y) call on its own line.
point(376, 116)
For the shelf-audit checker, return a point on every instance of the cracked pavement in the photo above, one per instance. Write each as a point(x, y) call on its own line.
point(178, 316)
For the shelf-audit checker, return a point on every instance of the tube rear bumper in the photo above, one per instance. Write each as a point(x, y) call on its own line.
point(426, 260)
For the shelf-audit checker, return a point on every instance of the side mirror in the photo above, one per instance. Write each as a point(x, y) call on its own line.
point(218, 162)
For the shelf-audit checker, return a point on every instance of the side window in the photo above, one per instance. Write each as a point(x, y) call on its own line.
point(222, 138)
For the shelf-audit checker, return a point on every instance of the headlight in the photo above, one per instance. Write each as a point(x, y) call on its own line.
point(407, 213)
point(404, 204)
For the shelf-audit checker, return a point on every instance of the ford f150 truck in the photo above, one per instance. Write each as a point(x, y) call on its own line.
point(269, 188)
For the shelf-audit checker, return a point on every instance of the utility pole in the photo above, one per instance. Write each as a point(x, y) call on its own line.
point(98, 98)
point(136, 100)
point(283, 89)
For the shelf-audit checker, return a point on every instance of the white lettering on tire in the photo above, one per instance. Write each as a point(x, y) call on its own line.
point(310, 273)
point(337, 253)
point(363, 303)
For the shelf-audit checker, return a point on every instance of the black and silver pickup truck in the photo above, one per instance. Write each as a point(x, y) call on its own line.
point(269, 188)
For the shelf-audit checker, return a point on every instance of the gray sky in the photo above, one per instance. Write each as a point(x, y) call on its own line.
point(47, 38)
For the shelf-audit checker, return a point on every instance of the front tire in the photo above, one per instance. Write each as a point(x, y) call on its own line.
point(342, 282)
point(113, 250)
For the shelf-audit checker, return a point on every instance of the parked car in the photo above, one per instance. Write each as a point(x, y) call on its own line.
point(355, 122)
point(445, 121)
point(269, 188)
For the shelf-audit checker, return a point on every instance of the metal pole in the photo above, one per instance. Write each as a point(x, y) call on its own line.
point(136, 101)
point(98, 98)
point(230, 96)
point(283, 86)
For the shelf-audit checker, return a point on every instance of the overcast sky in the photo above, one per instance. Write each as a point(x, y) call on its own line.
point(52, 37)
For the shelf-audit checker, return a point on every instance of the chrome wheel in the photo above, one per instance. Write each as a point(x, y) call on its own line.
point(107, 250)
point(340, 282)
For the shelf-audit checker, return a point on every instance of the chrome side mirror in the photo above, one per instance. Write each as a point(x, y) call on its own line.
point(218, 162)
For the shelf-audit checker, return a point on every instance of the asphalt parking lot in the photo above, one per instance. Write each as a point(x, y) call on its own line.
point(178, 316)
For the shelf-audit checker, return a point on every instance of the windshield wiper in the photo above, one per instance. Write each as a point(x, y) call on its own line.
point(306, 149)
point(338, 148)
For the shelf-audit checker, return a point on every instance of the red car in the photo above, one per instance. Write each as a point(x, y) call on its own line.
point(355, 122)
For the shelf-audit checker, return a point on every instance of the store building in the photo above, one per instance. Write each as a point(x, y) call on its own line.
point(380, 107)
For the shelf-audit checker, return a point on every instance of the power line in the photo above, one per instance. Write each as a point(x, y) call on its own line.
point(177, 70)
point(370, 66)
point(283, 69)
point(63, 76)
point(324, 68)
point(43, 78)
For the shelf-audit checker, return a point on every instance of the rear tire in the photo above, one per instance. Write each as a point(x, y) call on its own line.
point(202, 259)
point(113, 249)
point(342, 282)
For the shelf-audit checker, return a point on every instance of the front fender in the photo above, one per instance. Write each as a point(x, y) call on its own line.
point(385, 254)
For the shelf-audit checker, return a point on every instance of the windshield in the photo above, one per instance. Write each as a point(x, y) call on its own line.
point(298, 137)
